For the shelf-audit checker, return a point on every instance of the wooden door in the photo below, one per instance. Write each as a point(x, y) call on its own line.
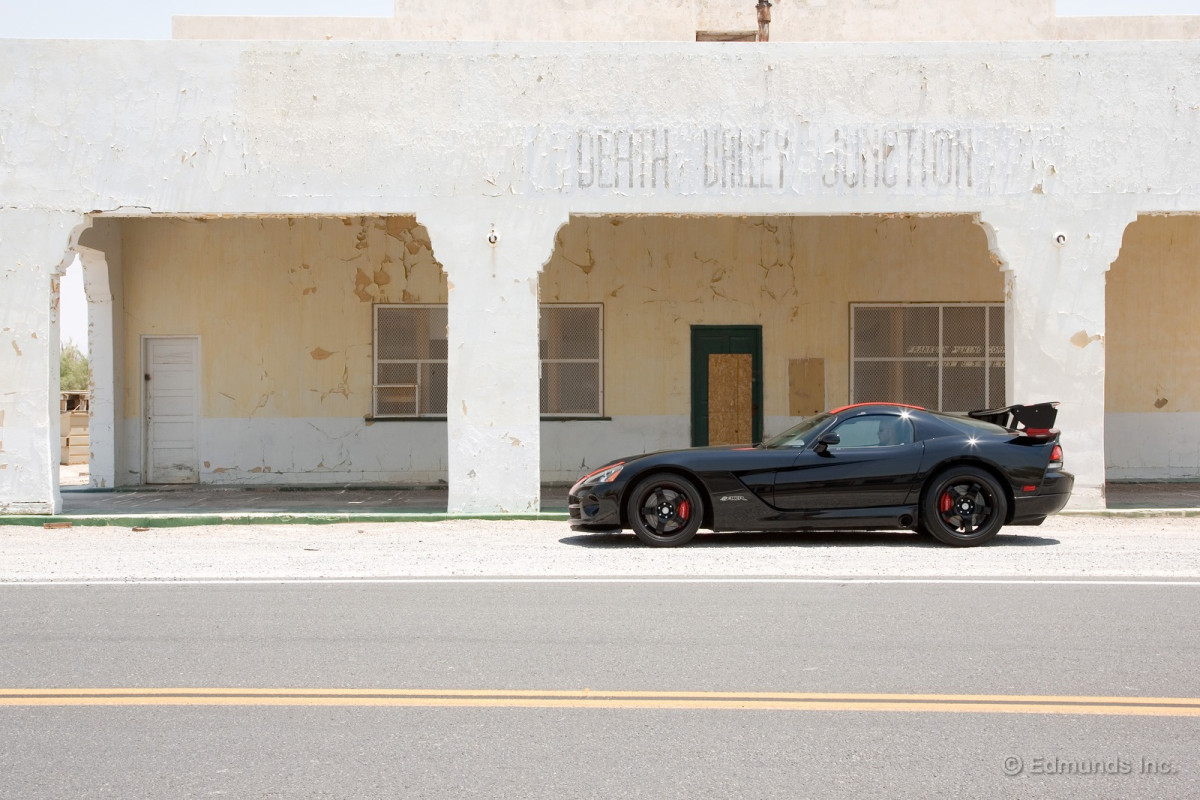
point(726, 384)
point(171, 409)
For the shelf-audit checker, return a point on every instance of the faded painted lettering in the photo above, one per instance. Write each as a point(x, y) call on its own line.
point(802, 159)
point(623, 159)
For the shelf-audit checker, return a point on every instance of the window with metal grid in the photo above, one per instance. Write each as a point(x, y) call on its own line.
point(944, 357)
point(570, 346)
point(410, 361)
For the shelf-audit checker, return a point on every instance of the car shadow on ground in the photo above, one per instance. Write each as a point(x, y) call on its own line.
point(613, 541)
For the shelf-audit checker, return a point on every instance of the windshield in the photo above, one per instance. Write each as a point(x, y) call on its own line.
point(796, 436)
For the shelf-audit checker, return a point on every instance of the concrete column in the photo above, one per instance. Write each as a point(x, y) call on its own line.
point(101, 422)
point(492, 253)
point(1056, 256)
point(34, 249)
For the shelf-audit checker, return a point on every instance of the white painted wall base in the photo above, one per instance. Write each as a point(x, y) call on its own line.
point(316, 451)
point(572, 447)
point(1157, 446)
point(321, 451)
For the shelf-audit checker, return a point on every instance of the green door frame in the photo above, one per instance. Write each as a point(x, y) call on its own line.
point(710, 339)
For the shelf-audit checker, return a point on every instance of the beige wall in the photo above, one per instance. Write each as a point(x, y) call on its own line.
point(282, 306)
point(794, 276)
point(1153, 328)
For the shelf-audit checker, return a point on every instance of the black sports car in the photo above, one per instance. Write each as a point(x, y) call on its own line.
point(869, 466)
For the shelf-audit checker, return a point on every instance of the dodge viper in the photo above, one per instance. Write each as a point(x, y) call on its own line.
point(868, 466)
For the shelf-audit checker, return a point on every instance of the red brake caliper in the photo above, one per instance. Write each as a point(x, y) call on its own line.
point(945, 502)
point(683, 510)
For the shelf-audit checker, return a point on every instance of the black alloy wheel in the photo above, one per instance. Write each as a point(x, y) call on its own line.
point(963, 506)
point(664, 510)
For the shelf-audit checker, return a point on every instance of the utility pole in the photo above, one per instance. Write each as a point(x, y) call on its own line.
point(764, 20)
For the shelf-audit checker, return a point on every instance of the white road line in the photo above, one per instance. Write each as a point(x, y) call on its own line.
point(1189, 582)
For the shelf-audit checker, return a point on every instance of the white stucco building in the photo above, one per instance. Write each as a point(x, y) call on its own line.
point(468, 246)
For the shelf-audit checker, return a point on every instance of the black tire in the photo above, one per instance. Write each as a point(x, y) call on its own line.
point(963, 507)
point(664, 510)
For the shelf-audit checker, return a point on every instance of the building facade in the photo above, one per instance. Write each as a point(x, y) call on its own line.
point(494, 263)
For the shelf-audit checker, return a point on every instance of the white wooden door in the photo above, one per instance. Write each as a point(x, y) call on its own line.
point(172, 409)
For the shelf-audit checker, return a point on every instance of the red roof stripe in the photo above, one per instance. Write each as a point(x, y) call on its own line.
point(859, 405)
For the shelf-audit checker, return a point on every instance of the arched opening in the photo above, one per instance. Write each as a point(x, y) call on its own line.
point(844, 309)
point(268, 351)
point(75, 392)
point(1152, 346)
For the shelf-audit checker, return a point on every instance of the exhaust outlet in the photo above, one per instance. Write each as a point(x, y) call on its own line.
point(906, 520)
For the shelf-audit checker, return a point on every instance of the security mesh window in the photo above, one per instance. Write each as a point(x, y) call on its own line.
point(410, 361)
point(944, 357)
point(569, 346)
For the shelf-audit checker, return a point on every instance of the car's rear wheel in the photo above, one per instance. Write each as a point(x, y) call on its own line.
point(664, 510)
point(963, 506)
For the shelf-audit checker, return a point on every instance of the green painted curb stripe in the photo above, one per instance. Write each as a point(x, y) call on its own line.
point(188, 520)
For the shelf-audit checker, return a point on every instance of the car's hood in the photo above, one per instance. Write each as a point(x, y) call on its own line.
point(658, 453)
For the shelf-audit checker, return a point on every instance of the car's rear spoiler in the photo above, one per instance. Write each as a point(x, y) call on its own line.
point(1035, 420)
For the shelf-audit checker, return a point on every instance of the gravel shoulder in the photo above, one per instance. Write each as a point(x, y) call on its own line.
point(1064, 547)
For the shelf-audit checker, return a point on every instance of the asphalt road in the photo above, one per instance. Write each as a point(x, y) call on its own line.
point(1079, 643)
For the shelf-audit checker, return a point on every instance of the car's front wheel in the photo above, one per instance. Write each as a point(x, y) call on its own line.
point(963, 506)
point(664, 510)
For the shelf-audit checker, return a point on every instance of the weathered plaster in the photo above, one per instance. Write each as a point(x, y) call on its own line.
point(33, 253)
point(681, 20)
point(368, 129)
point(303, 288)
point(321, 451)
point(1055, 257)
point(796, 276)
point(492, 409)
point(280, 123)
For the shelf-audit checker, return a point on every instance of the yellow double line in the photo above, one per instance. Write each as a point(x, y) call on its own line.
point(586, 698)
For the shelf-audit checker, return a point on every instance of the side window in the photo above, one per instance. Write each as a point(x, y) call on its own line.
point(947, 357)
point(410, 361)
point(571, 348)
point(874, 430)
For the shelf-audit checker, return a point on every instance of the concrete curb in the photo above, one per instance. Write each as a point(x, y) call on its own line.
point(1132, 512)
point(330, 518)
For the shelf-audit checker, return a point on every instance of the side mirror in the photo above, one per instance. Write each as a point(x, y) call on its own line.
point(825, 440)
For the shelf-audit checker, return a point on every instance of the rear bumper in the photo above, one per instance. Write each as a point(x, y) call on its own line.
point(1050, 498)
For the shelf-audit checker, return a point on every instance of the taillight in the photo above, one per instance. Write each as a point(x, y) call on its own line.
point(1056, 457)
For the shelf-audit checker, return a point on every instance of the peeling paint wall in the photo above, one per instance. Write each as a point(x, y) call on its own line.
point(536, 132)
point(794, 276)
point(1152, 343)
point(283, 309)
